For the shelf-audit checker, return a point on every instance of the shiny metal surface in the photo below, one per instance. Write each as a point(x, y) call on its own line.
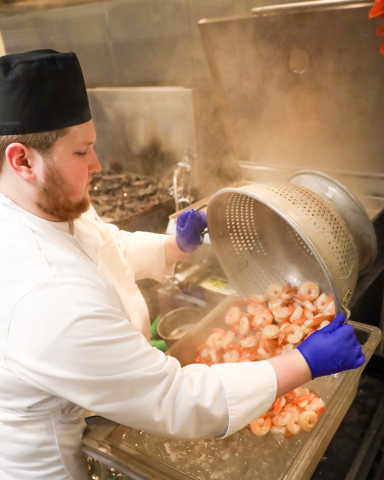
point(145, 129)
point(314, 5)
point(367, 187)
point(311, 120)
point(275, 233)
point(82, 29)
point(2, 46)
point(175, 324)
point(349, 208)
point(330, 117)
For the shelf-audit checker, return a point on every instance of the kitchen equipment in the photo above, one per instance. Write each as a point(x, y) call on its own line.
point(144, 456)
point(299, 87)
point(177, 323)
point(310, 228)
point(131, 201)
point(181, 180)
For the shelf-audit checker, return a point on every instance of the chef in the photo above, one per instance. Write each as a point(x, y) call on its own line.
point(73, 323)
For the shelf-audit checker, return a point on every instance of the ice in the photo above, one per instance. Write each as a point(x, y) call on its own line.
point(242, 455)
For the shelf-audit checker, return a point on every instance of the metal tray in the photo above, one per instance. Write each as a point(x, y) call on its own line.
point(272, 457)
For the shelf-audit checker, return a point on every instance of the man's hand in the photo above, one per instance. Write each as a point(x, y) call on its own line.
point(189, 230)
point(332, 349)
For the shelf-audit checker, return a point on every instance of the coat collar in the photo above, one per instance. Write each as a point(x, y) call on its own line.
point(39, 225)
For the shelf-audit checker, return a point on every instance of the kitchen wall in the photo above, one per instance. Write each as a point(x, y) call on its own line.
point(150, 43)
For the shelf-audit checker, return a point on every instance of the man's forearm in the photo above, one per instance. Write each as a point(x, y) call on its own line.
point(173, 253)
point(291, 370)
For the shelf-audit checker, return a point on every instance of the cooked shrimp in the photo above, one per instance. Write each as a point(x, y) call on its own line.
point(308, 291)
point(308, 314)
point(249, 342)
point(244, 326)
point(297, 314)
point(214, 340)
point(329, 309)
point(309, 306)
point(288, 292)
point(264, 355)
point(233, 316)
point(274, 291)
point(297, 393)
point(283, 324)
point(227, 339)
point(306, 329)
point(315, 405)
point(321, 301)
point(293, 428)
point(271, 331)
point(287, 348)
point(292, 333)
point(254, 308)
point(232, 356)
point(317, 320)
point(249, 355)
point(214, 356)
point(277, 302)
point(205, 356)
point(294, 411)
point(283, 312)
point(282, 418)
point(324, 324)
point(260, 426)
point(278, 351)
point(284, 328)
point(264, 316)
point(302, 402)
point(307, 420)
point(279, 404)
point(297, 302)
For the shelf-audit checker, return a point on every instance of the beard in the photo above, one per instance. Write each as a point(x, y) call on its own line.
point(53, 196)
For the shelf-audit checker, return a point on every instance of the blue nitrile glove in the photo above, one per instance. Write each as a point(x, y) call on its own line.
point(332, 349)
point(189, 230)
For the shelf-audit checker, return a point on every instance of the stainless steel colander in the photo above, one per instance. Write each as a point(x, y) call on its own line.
point(310, 228)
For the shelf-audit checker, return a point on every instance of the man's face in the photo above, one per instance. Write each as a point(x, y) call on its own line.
point(64, 192)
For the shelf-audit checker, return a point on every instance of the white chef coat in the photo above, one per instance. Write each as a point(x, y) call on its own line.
point(71, 318)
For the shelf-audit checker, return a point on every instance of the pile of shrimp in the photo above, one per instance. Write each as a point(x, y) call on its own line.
point(297, 410)
point(267, 325)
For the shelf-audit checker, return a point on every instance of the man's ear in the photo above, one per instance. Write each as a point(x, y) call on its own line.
point(21, 160)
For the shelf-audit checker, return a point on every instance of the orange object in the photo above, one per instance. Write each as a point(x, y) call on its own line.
point(378, 11)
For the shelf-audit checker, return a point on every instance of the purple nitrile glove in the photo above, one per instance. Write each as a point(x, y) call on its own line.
point(189, 230)
point(332, 349)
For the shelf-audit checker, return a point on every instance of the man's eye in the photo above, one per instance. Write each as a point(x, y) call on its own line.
point(81, 154)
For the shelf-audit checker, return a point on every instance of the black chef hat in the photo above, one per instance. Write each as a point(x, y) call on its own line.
point(41, 91)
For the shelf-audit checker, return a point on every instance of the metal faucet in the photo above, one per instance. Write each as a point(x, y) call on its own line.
point(181, 191)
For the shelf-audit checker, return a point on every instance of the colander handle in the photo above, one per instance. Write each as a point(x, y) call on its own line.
point(344, 307)
point(199, 208)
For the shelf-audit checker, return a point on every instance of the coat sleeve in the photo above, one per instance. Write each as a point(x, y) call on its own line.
point(144, 251)
point(69, 338)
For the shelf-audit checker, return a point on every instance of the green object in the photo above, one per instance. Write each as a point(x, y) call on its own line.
point(160, 344)
point(153, 330)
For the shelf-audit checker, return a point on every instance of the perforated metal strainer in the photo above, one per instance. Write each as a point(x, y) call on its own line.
point(273, 233)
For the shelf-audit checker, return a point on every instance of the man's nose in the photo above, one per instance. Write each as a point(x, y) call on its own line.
point(95, 165)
